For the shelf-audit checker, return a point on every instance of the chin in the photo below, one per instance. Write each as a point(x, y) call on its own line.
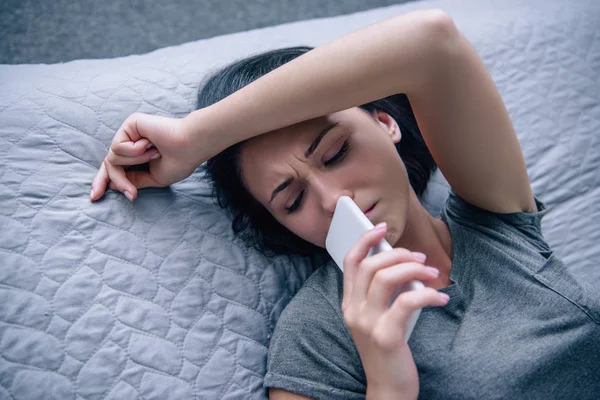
point(391, 236)
point(395, 231)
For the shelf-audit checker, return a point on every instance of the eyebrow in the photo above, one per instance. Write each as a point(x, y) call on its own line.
point(309, 152)
point(315, 143)
point(280, 188)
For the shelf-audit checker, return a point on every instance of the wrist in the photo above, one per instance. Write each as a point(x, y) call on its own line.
point(386, 393)
point(201, 132)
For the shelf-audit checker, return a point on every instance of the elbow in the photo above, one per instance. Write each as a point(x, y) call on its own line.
point(439, 24)
point(440, 41)
point(439, 33)
point(433, 32)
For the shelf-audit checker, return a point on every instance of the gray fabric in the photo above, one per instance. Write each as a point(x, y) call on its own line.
point(518, 324)
point(157, 299)
point(35, 31)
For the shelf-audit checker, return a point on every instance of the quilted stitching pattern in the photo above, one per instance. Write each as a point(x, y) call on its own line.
point(157, 299)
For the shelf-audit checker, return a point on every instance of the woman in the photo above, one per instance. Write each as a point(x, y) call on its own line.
point(505, 318)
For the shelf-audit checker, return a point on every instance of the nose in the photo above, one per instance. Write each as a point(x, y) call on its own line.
point(330, 194)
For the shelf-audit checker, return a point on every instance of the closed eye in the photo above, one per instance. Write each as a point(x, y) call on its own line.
point(339, 156)
point(296, 204)
point(335, 159)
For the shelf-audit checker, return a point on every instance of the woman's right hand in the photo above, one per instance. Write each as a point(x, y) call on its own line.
point(165, 143)
point(378, 329)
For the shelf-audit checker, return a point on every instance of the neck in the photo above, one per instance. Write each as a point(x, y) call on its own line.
point(429, 236)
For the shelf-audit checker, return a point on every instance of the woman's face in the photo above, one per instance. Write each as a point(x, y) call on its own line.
point(299, 172)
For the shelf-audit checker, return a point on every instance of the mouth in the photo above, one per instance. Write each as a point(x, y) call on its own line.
point(369, 211)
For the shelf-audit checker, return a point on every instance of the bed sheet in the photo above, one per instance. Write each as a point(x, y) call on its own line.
point(157, 299)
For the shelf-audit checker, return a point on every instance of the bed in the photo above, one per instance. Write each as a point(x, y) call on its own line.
point(157, 299)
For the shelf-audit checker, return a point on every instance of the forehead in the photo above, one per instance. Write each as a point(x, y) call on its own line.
point(299, 136)
point(285, 139)
point(267, 159)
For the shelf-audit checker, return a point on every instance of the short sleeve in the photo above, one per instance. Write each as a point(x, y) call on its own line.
point(312, 352)
point(518, 228)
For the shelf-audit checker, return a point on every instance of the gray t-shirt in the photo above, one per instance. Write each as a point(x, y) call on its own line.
point(518, 324)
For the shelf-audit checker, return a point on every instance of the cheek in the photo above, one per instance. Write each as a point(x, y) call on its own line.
point(376, 145)
point(309, 224)
point(378, 162)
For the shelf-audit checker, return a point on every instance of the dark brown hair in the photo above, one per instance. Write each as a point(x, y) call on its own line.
point(250, 219)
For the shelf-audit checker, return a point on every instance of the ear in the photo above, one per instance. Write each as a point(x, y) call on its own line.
point(389, 124)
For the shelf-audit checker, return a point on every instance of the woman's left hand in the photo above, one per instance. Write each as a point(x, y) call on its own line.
point(377, 328)
point(162, 142)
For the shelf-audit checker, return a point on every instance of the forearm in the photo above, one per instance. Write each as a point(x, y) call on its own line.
point(397, 55)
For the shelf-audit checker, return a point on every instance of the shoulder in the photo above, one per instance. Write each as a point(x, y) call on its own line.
point(518, 234)
point(315, 308)
point(311, 351)
point(328, 282)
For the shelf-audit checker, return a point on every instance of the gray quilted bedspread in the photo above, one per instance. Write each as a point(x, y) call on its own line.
point(157, 299)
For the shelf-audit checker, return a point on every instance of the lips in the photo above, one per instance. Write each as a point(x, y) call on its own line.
point(369, 210)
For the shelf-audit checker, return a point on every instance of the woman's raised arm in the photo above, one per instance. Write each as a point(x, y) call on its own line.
point(422, 54)
point(397, 55)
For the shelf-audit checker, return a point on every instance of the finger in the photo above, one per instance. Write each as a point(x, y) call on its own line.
point(120, 181)
point(370, 265)
point(130, 148)
point(115, 159)
point(387, 280)
point(408, 302)
point(99, 183)
point(356, 254)
point(395, 256)
point(390, 329)
point(128, 132)
point(142, 179)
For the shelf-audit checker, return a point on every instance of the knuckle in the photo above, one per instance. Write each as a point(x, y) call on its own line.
point(384, 277)
point(356, 320)
point(412, 269)
point(372, 270)
point(349, 259)
point(403, 253)
point(419, 298)
point(367, 265)
point(134, 116)
point(382, 338)
point(372, 265)
point(367, 237)
point(404, 301)
point(344, 306)
point(430, 293)
point(350, 317)
point(112, 159)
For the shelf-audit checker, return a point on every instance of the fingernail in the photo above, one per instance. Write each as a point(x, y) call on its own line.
point(380, 226)
point(444, 297)
point(433, 271)
point(128, 195)
point(419, 256)
point(148, 146)
point(155, 156)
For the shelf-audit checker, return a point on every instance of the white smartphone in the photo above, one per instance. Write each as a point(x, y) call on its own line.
point(347, 226)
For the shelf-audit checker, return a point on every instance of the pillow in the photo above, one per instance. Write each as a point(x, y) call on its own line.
point(157, 298)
